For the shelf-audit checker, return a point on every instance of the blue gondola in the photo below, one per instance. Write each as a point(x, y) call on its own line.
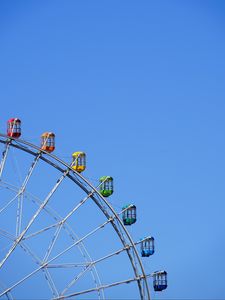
point(160, 281)
point(147, 247)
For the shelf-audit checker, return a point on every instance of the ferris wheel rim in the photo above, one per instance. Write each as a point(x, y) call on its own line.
point(19, 144)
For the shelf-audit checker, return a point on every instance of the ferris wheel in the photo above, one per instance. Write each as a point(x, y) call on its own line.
point(60, 238)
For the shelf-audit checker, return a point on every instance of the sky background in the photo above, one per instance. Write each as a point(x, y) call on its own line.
point(139, 86)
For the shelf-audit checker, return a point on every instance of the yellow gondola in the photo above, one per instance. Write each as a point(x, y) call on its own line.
point(79, 161)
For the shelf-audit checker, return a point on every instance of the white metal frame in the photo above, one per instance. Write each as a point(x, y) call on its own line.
point(113, 218)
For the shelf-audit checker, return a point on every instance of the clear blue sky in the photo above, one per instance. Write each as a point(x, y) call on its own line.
point(140, 87)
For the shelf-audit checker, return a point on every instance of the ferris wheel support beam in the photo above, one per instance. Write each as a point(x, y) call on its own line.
point(36, 260)
point(45, 202)
point(45, 264)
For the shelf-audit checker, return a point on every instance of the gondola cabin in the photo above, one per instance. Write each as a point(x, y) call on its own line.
point(14, 128)
point(129, 214)
point(79, 161)
point(147, 247)
point(160, 281)
point(48, 141)
point(106, 186)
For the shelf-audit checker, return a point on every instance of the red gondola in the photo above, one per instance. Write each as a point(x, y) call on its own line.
point(14, 128)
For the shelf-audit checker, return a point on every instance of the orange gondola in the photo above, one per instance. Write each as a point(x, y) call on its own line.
point(48, 141)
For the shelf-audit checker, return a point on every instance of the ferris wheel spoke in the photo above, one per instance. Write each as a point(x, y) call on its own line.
point(51, 283)
point(8, 295)
point(63, 221)
point(87, 258)
point(59, 223)
point(19, 194)
point(84, 271)
point(47, 275)
point(19, 214)
point(34, 272)
point(102, 287)
point(112, 254)
point(79, 241)
point(52, 243)
point(26, 237)
point(19, 282)
point(37, 260)
point(110, 220)
point(68, 265)
point(30, 172)
point(44, 270)
point(89, 265)
point(4, 157)
point(8, 204)
point(90, 194)
point(45, 264)
point(8, 186)
point(77, 206)
point(92, 263)
point(86, 268)
point(44, 203)
point(22, 245)
point(6, 234)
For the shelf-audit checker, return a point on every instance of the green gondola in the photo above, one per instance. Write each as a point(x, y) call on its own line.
point(106, 186)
